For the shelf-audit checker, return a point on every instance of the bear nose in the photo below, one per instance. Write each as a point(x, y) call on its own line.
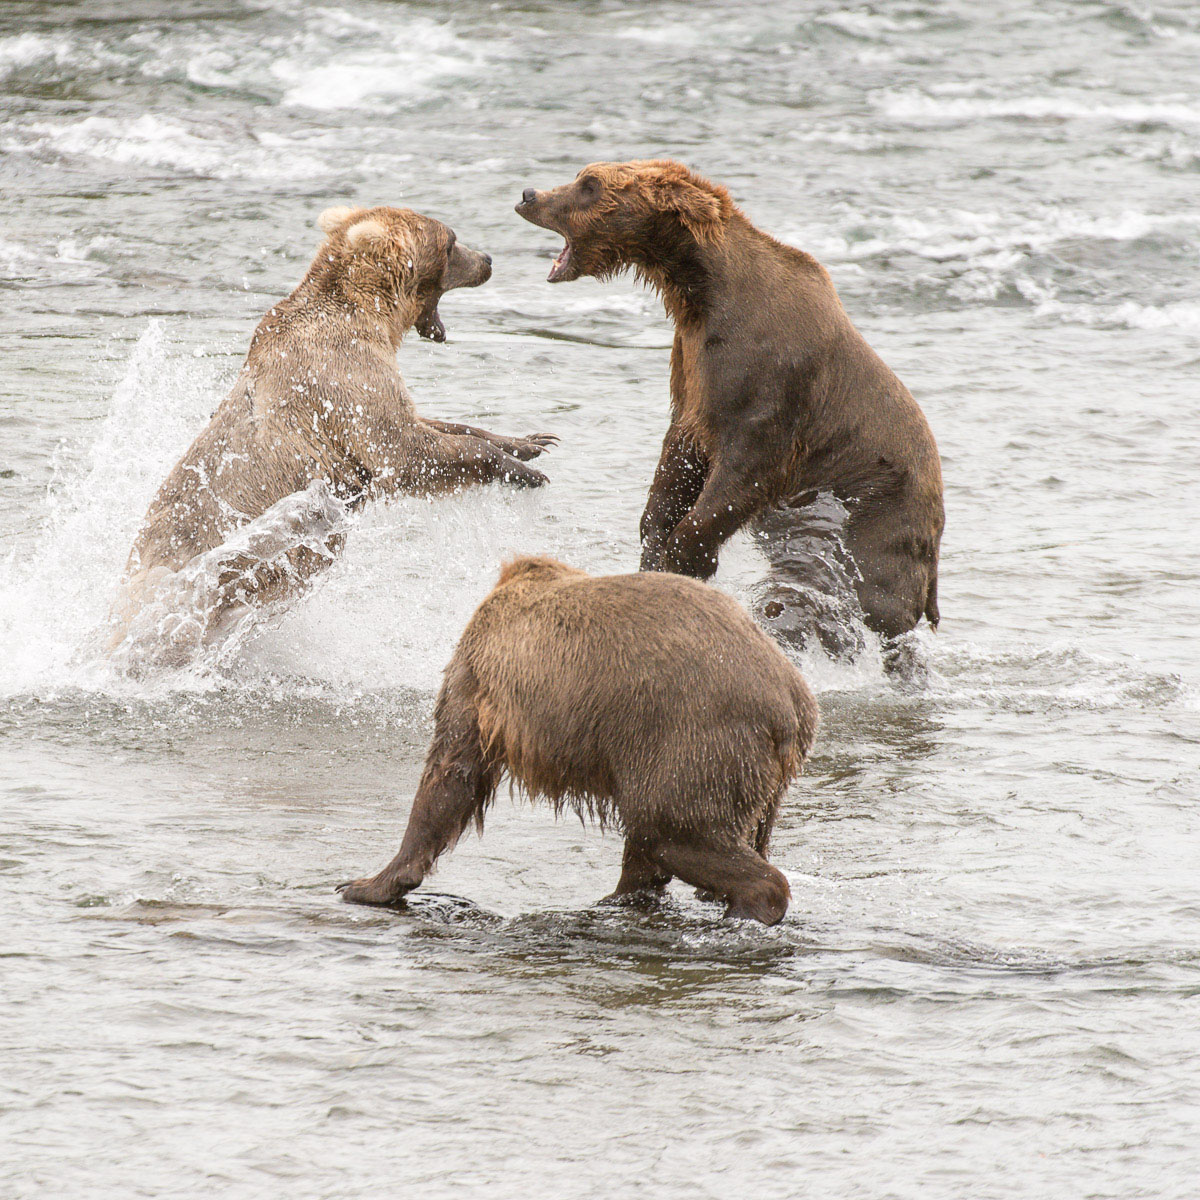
point(487, 258)
point(529, 195)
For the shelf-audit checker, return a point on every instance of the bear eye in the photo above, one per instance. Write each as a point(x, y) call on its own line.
point(589, 185)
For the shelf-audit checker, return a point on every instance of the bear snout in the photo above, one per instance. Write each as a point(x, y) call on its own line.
point(532, 206)
point(468, 268)
point(483, 269)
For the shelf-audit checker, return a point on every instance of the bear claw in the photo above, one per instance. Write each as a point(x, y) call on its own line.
point(534, 444)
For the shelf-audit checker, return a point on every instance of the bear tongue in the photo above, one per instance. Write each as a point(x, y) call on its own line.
point(559, 267)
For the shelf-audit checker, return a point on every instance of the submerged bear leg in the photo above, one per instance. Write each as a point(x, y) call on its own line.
point(456, 787)
point(893, 613)
point(809, 594)
point(748, 884)
point(641, 875)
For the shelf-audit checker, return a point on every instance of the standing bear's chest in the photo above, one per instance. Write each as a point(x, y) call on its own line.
point(734, 389)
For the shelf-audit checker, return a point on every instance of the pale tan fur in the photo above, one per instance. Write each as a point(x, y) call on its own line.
point(320, 397)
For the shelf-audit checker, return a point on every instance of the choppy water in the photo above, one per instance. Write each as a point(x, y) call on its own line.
point(987, 985)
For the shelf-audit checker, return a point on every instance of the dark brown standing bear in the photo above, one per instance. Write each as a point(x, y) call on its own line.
point(782, 417)
point(319, 400)
point(683, 732)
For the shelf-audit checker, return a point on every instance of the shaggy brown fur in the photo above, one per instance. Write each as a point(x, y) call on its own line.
point(775, 396)
point(320, 397)
point(683, 733)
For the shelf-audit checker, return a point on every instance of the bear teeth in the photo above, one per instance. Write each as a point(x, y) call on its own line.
point(560, 263)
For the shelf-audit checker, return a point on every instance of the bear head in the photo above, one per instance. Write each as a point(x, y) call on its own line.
point(616, 215)
point(397, 262)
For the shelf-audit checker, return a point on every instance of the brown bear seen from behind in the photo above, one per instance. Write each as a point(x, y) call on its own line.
point(651, 702)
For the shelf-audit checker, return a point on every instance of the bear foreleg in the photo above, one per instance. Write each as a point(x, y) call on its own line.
point(456, 787)
point(452, 460)
point(642, 876)
point(731, 496)
point(523, 448)
point(678, 482)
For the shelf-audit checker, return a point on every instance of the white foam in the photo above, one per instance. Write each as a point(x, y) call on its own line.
point(28, 48)
point(922, 107)
point(1177, 151)
point(854, 139)
point(328, 58)
point(413, 570)
point(1130, 315)
point(981, 254)
point(15, 256)
point(963, 234)
point(386, 615)
point(1062, 672)
point(151, 140)
point(341, 61)
point(864, 24)
point(677, 33)
point(60, 260)
point(172, 618)
point(60, 579)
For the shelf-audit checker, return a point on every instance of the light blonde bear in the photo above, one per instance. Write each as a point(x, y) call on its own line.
point(318, 418)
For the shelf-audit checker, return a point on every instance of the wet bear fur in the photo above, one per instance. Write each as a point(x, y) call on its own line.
point(650, 702)
point(320, 397)
point(777, 401)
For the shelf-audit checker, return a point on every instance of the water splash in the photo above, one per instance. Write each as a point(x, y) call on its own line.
point(386, 615)
point(208, 607)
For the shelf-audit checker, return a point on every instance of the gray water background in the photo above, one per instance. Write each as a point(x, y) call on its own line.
point(987, 984)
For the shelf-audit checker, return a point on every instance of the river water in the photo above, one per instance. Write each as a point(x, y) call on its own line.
point(987, 985)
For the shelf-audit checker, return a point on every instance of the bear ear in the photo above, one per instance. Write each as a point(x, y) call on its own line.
point(703, 207)
point(530, 564)
point(331, 218)
point(365, 234)
point(374, 235)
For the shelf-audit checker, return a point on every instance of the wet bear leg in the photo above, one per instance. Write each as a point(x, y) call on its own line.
point(529, 446)
point(893, 615)
point(456, 787)
point(748, 884)
point(761, 843)
point(820, 612)
point(642, 877)
point(762, 833)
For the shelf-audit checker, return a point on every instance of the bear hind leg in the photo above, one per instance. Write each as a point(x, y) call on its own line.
point(762, 832)
point(748, 884)
point(642, 876)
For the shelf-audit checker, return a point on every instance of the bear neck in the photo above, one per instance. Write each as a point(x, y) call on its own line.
point(371, 311)
point(692, 277)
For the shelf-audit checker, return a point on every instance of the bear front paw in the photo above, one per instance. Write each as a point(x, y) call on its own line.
point(381, 893)
point(532, 445)
point(525, 477)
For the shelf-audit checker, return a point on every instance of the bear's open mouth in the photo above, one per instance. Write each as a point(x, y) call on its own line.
point(429, 325)
point(561, 263)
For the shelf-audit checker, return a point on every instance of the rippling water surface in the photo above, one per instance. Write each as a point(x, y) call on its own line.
point(987, 985)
